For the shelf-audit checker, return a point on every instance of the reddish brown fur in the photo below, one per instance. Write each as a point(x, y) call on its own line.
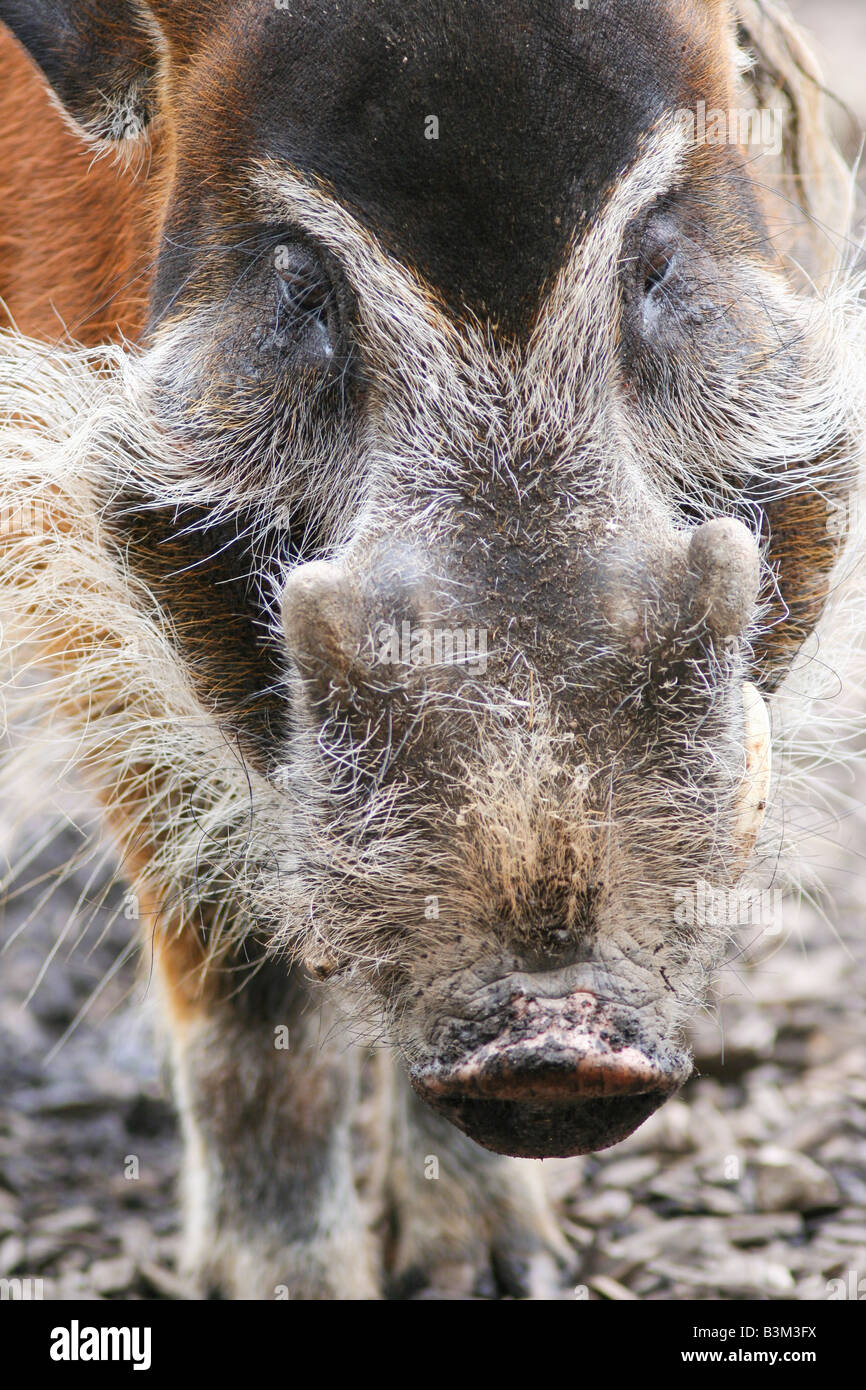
point(78, 232)
point(76, 249)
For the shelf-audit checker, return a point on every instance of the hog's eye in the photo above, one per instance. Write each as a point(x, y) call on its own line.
point(657, 257)
point(307, 312)
point(656, 268)
point(658, 283)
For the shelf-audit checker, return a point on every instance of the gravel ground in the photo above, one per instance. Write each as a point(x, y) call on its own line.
point(750, 1185)
point(89, 1149)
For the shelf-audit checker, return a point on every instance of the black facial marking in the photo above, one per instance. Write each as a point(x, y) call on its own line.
point(473, 139)
point(99, 58)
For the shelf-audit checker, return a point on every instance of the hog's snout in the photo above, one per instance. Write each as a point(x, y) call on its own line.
point(562, 1077)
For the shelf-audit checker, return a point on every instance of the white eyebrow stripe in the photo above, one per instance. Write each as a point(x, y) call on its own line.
point(393, 298)
point(403, 316)
point(652, 174)
point(584, 295)
point(313, 207)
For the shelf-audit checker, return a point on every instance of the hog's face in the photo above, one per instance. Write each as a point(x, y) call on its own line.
point(490, 463)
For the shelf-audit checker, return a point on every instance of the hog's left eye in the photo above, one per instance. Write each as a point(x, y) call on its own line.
point(658, 286)
point(657, 258)
point(307, 314)
point(656, 269)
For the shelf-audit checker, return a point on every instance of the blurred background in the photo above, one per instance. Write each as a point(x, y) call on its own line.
point(750, 1185)
point(839, 30)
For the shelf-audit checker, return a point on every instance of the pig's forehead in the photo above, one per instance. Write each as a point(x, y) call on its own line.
point(538, 105)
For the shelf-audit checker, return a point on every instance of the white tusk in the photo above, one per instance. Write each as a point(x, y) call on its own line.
point(752, 801)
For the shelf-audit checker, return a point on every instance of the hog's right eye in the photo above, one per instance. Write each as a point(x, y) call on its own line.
point(308, 311)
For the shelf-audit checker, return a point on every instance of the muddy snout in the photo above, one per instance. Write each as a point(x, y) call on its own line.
point(561, 1076)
